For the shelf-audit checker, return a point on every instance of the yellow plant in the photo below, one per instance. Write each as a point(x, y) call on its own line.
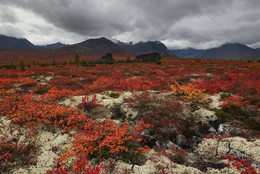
point(190, 92)
point(3, 91)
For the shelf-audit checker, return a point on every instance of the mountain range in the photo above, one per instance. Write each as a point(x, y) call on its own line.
point(94, 46)
point(227, 51)
point(146, 47)
point(103, 45)
point(12, 42)
point(54, 45)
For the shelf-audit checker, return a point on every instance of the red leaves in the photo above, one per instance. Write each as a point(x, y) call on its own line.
point(234, 100)
point(245, 83)
point(241, 164)
point(30, 112)
point(89, 104)
point(81, 166)
point(55, 94)
point(15, 151)
point(103, 140)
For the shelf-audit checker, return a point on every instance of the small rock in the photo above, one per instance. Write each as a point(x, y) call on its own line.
point(48, 78)
point(131, 114)
point(117, 112)
point(235, 131)
point(118, 122)
point(223, 129)
point(148, 140)
point(171, 145)
point(195, 140)
point(215, 123)
point(24, 90)
point(205, 115)
point(181, 140)
point(203, 166)
point(198, 133)
point(213, 130)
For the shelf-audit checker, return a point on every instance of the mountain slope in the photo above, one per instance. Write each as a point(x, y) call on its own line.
point(186, 53)
point(143, 47)
point(94, 46)
point(226, 51)
point(54, 45)
point(12, 42)
point(146, 47)
point(257, 52)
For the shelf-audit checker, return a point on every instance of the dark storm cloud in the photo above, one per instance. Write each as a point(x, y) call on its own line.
point(178, 23)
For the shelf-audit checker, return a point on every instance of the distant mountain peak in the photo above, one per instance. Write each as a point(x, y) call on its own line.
point(143, 47)
point(146, 47)
point(225, 51)
point(54, 45)
point(99, 39)
point(13, 42)
point(100, 45)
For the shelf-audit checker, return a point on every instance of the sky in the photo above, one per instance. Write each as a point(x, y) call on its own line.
point(178, 24)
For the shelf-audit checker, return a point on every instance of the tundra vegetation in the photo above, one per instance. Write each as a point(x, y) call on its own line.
point(179, 116)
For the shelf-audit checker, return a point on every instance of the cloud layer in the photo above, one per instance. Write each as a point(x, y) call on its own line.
point(177, 23)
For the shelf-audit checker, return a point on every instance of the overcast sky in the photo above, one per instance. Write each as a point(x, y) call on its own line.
point(177, 23)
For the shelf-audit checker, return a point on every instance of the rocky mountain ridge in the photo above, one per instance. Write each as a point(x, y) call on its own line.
point(233, 51)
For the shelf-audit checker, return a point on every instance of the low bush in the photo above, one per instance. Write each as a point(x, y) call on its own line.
point(28, 111)
point(16, 151)
point(82, 165)
point(55, 94)
point(163, 113)
point(106, 140)
point(190, 92)
point(88, 104)
point(41, 89)
point(156, 110)
point(27, 82)
point(242, 165)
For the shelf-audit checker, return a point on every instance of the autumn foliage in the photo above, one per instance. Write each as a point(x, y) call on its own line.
point(190, 92)
point(31, 112)
point(103, 140)
point(32, 99)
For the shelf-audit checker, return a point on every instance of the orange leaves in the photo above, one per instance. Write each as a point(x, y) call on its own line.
point(159, 73)
point(141, 126)
point(190, 92)
point(3, 91)
point(103, 83)
point(56, 94)
point(103, 140)
point(7, 80)
point(31, 112)
point(27, 82)
point(89, 104)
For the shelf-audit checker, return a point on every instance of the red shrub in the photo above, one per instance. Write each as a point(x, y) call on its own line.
point(88, 104)
point(105, 140)
point(30, 112)
point(16, 151)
